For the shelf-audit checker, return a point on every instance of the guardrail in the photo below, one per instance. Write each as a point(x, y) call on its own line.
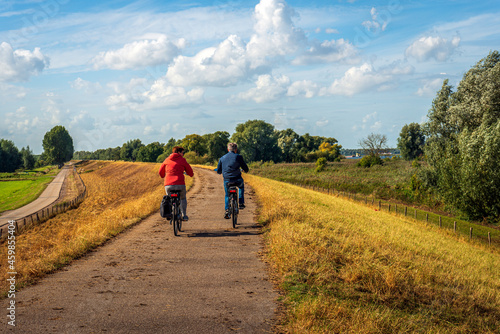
point(50, 211)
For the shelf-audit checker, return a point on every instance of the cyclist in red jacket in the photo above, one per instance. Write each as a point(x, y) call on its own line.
point(172, 169)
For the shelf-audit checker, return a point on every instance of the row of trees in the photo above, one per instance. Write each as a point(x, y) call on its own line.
point(57, 145)
point(257, 141)
point(461, 142)
point(11, 158)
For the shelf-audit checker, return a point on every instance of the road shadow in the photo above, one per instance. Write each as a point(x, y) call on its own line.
point(242, 231)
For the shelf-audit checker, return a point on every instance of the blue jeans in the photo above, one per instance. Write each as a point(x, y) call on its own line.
point(241, 196)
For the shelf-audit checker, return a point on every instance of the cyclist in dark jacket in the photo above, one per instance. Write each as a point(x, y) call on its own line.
point(230, 166)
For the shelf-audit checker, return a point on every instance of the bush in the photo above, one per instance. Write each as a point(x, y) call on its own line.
point(369, 161)
point(320, 164)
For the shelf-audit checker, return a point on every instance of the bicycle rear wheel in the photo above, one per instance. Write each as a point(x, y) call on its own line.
point(179, 217)
point(175, 218)
point(234, 213)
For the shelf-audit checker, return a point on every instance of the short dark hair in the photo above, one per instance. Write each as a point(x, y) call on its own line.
point(177, 149)
point(232, 147)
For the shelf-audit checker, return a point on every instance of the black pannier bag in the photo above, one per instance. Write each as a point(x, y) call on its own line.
point(165, 208)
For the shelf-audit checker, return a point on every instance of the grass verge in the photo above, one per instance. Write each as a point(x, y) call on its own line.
point(346, 268)
point(119, 195)
point(19, 190)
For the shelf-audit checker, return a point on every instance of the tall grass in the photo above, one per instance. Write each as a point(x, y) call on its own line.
point(119, 195)
point(346, 268)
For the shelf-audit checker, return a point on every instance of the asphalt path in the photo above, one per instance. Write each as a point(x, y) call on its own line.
point(210, 279)
point(48, 196)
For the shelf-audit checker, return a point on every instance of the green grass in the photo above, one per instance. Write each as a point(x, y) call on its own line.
point(19, 189)
point(386, 180)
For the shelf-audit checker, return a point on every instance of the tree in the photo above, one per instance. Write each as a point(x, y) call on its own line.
point(463, 147)
point(287, 141)
point(256, 141)
point(130, 149)
point(10, 158)
point(150, 152)
point(374, 144)
point(411, 141)
point(216, 144)
point(58, 145)
point(194, 143)
point(28, 158)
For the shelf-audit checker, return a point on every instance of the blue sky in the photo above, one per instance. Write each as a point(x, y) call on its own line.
point(111, 71)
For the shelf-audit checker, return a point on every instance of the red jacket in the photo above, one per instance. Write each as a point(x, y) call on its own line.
point(172, 169)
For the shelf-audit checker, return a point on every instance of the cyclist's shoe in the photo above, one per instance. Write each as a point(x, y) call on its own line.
point(169, 217)
point(242, 206)
point(185, 218)
point(227, 214)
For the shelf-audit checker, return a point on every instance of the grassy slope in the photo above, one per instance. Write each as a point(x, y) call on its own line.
point(119, 195)
point(23, 190)
point(346, 268)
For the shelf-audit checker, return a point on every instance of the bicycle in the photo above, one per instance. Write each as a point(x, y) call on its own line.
point(176, 220)
point(233, 202)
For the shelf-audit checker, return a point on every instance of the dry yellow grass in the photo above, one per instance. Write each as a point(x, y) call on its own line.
point(346, 268)
point(119, 195)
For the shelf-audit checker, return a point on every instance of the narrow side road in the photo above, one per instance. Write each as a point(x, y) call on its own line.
point(210, 279)
point(48, 196)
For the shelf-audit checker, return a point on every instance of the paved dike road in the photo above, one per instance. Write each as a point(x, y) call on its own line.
point(46, 198)
point(210, 279)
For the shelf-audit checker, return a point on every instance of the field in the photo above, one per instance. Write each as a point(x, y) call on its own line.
point(19, 189)
point(349, 268)
point(119, 195)
point(389, 181)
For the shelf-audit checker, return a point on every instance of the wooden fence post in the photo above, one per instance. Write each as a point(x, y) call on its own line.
point(427, 217)
point(455, 226)
point(406, 211)
point(379, 205)
point(471, 233)
point(439, 221)
point(389, 207)
point(489, 238)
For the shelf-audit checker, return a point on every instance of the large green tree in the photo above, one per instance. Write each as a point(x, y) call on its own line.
point(10, 158)
point(194, 143)
point(150, 152)
point(216, 144)
point(27, 158)
point(58, 145)
point(463, 145)
point(287, 143)
point(130, 149)
point(411, 141)
point(257, 141)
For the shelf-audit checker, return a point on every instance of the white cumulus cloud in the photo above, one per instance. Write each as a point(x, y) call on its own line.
point(429, 47)
point(19, 65)
point(328, 52)
point(267, 88)
point(223, 65)
point(149, 52)
point(366, 78)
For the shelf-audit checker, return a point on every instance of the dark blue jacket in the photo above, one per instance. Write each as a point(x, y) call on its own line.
point(229, 166)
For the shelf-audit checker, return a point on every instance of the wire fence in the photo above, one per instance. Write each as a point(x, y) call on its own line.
point(52, 210)
point(467, 229)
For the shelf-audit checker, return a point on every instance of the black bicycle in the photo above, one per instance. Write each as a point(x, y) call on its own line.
point(175, 200)
point(233, 202)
